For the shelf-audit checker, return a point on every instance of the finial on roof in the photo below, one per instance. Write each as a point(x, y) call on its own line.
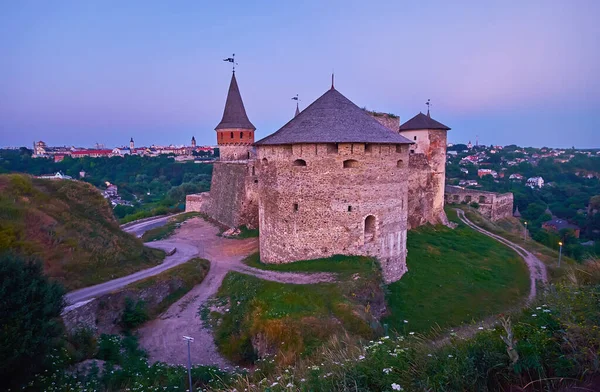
point(428, 103)
point(232, 61)
point(332, 76)
point(297, 99)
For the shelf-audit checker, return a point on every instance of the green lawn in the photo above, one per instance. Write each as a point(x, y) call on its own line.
point(293, 320)
point(454, 276)
point(162, 232)
point(343, 265)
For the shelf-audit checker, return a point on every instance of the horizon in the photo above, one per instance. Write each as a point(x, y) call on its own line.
point(79, 74)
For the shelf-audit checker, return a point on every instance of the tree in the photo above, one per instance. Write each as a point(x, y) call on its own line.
point(30, 307)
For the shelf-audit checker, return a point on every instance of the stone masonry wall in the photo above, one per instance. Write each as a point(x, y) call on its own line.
point(427, 177)
point(233, 199)
point(493, 206)
point(312, 206)
point(391, 123)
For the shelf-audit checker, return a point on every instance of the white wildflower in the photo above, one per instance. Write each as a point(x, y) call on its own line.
point(272, 385)
point(361, 357)
point(396, 387)
point(405, 322)
point(387, 370)
point(450, 356)
point(289, 385)
point(411, 333)
point(534, 315)
point(480, 328)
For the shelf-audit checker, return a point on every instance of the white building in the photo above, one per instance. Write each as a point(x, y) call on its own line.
point(535, 182)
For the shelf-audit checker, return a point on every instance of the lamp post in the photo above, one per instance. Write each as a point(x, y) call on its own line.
point(560, 252)
point(525, 231)
point(189, 340)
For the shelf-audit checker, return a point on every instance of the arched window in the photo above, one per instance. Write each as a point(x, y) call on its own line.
point(241, 135)
point(350, 163)
point(400, 163)
point(468, 199)
point(232, 135)
point(370, 223)
point(299, 162)
point(248, 154)
point(265, 161)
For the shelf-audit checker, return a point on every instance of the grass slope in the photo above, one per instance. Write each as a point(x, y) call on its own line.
point(293, 320)
point(454, 276)
point(71, 228)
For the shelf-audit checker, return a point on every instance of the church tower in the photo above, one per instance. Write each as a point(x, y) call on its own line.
point(235, 132)
point(193, 142)
point(131, 145)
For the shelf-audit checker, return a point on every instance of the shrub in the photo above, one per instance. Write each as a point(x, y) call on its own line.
point(475, 205)
point(30, 326)
point(109, 348)
point(135, 314)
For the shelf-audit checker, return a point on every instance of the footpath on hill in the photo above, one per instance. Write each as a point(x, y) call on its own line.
point(537, 269)
point(162, 337)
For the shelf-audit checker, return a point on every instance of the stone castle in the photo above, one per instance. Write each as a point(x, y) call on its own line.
point(333, 180)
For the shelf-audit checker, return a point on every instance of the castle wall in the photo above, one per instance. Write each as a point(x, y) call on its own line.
point(493, 206)
point(427, 177)
point(390, 122)
point(317, 208)
point(232, 152)
point(233, 199)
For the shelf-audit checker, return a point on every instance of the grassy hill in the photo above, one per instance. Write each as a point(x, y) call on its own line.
point(71, 228)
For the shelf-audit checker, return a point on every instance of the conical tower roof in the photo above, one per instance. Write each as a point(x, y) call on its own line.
point(422, 121)
point(333, 118)
point(517, 214)
point(234, 115)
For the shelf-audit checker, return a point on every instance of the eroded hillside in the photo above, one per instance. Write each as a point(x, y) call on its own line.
point(71, 228)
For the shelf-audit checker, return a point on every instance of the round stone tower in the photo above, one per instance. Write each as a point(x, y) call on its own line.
point(235, 132)
point(427, 165)
point(333, 181)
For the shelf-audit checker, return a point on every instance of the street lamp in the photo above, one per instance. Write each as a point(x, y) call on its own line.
point(189, 340)
point(525, 231)
point(560, 252)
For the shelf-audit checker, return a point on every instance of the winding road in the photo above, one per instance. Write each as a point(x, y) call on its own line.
point(537, 269)
point(162, 337)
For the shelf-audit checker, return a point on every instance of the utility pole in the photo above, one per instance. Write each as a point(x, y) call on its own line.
point(189, 340)
point(560, 253)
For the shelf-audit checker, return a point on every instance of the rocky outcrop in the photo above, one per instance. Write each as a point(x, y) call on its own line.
point(103, 314)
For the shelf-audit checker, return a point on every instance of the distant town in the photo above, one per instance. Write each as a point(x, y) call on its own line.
point(180, 153)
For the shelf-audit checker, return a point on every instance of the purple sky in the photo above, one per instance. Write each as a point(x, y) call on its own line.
point(80, 72)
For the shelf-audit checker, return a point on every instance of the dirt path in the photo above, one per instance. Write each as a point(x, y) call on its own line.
point(162, 337)
point(537, 269)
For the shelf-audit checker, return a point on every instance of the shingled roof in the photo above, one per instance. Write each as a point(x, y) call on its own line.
point(333, 118)
point(422, 121)
point(234, 115)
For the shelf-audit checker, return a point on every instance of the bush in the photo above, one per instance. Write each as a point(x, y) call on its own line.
point(83, 344)
point(109, 348)
point(30, 325)
point(475, 205)
point(135, 314)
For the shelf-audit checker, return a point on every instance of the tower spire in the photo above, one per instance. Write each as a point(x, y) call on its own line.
point(332, 79)
point(297, 99)
point(234, 115)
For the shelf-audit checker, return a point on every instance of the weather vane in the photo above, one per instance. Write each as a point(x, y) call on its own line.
point(296, 98)
point(231, 60)
point(428, 103)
